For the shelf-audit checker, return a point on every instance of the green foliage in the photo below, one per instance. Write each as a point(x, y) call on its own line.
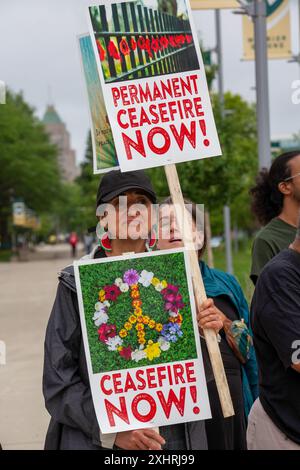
point(96, 276)
point(88, 184)
point(28, 161)
point(217, 181)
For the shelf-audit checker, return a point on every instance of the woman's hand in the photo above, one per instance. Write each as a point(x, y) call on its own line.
point(140, 439)
point(209, 316)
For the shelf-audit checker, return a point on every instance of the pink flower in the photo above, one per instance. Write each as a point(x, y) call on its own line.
point(106, 331)
point(173, 302)
point(169, 290)
point(112, 292)
point(126, 353)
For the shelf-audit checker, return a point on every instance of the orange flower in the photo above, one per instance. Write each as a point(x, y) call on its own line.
point(123, 333)
point(138, 311)
point(134, 287)
point(146, 319)
point(141, 334)
point(140, 319)
point(142, 341)
point(136, 303)
point(132, 319)
point(152, 324)
point(139, 326)
point(159, 327)
point(135, 294)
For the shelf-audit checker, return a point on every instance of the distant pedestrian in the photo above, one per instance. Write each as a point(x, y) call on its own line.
point(73, 240)
point(274, 420)
point(88, 242)
point(276, 204)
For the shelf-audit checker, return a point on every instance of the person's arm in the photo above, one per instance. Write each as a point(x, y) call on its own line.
point(262, 253)
point(68, 399)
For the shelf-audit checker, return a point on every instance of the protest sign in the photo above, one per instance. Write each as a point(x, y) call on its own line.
point(141, 340)
point(153, 82)
point(104, 152)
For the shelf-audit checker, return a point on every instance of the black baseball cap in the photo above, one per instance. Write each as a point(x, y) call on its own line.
point(115, 183)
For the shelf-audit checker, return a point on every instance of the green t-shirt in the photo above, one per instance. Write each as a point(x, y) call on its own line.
point(270, 240)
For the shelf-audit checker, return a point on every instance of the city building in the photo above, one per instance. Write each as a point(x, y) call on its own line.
point(60, 137)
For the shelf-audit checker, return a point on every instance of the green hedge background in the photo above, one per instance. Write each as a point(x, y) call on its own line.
point(93, 277)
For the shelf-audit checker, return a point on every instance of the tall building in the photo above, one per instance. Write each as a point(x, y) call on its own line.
point(60, 137)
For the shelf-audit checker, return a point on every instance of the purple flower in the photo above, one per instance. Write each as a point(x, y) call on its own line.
point(171, 332)
point(131, 277)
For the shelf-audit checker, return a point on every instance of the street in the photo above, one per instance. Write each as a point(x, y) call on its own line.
point(27, 291)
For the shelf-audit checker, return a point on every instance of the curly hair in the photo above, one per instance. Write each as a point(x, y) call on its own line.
point(267, 200)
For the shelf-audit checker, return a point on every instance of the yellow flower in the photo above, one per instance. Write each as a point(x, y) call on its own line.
point(101, 293)
point(140, 319)
point(141, 334)
point(135, 294)
point(164, 283)
point(123, 333)
point(155, 281)
point(134, 287)
point(138, 311)
point(159, 327)
point(146, 319)
point(128, 325)
point(152, 324)
point(152, 350)
point(120, 348)
point(142, 341)
point(132, 319)
point(139, 326)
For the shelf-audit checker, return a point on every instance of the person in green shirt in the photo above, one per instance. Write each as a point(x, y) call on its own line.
point(276, 205)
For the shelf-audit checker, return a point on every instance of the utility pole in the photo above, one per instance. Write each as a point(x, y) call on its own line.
point(257, 10)
point(226, 209)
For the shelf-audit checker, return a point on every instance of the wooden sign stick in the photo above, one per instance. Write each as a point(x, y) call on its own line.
point(185, 228)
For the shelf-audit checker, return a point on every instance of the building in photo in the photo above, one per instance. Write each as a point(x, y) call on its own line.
point(60, 137)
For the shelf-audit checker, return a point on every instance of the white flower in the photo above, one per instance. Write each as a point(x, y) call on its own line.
point(138, 355)
point(173, 314)
point(100, 317)
point(124, 287)
point(164, 345)
point(146, 278)
point(159, 287)
point(113, 343)
point(106, 303)
point(99, 306)
point(118, 281)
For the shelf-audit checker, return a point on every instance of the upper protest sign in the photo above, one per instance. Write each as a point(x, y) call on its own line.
point(154, 84)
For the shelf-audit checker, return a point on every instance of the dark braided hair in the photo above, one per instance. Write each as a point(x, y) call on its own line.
point(267, 200)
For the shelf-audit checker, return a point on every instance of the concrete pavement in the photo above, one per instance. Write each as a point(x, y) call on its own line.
point(27, 292)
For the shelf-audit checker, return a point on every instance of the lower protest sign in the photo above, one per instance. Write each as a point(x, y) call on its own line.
point(141, 340)
point(104, 152)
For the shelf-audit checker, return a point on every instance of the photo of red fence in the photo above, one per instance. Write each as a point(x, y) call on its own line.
point(143, 39)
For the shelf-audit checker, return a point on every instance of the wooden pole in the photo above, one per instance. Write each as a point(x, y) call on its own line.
point(207, 229)
point(185, 228)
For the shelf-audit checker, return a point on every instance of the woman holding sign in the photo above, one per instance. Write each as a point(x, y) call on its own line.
point(65, 382)
point(227, 301)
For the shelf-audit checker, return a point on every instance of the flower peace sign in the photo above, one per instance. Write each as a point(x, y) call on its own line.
point(141, 336)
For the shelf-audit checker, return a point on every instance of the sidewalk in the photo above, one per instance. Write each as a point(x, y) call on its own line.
point(27, 292)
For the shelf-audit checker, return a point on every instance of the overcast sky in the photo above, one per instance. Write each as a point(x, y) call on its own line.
point(38, 51)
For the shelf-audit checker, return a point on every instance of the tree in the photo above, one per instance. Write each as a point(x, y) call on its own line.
point(28, 161)
point(217, 181)
point(88, 184)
